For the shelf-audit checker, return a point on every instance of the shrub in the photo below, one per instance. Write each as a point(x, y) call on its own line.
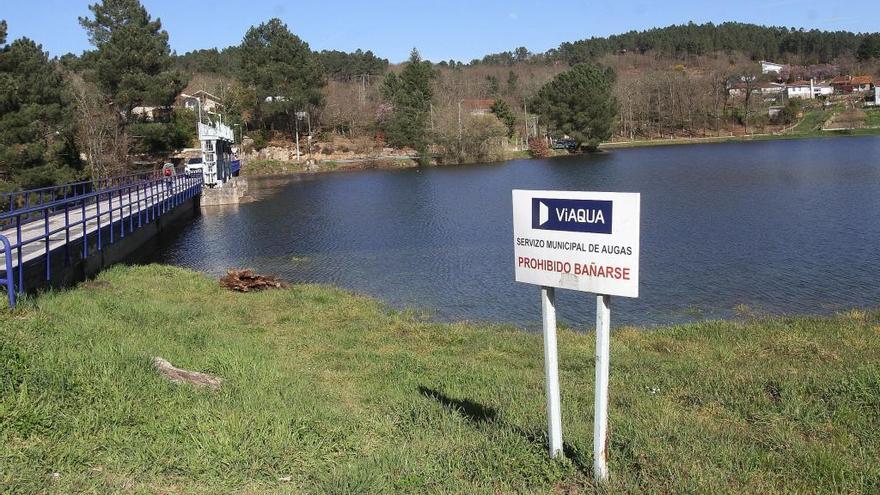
point(538, 147)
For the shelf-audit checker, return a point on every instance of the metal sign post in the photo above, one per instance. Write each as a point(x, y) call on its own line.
point(551, 371)
point(584, 241)
point(603, 360)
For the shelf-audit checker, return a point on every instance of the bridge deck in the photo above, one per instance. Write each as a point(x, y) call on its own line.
point(128, 208)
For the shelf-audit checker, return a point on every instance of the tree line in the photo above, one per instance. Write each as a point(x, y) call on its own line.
point(787, 45)
point(82, 115)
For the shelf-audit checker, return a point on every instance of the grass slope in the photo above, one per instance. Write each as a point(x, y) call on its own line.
point(328, 392)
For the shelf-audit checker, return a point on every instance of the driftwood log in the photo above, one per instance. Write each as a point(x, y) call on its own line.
point(179, 375)
point(247, 281)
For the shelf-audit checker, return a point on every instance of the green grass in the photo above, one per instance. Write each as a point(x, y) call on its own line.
point(812, 121)
point(873, 119)
point(271, 167)
point(329, 392)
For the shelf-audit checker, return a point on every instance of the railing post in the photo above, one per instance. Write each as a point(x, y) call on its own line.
point(130, 213)
point(138, 195)
point(10, 277)
point(66, 233)
point(121, 217)
point(110, 209)
point(85, 236)
point(20, 244)
point(98, 216)
point(46, 239)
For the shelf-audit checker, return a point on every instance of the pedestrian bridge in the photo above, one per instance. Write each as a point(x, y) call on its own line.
point(57, 234)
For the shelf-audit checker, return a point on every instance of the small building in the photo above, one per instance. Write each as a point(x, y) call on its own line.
point(862, 84)
point(771, 67)
point(151, 114)
point(763, 88)
point(208, 102)
point(874, 99)
point(852, 84)
point(808, 89)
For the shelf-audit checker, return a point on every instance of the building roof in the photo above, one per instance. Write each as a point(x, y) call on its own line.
point(859, 80)
point(840, 80)
point(200, 94)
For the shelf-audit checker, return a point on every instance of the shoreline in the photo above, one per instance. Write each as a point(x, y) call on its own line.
point(391, 162)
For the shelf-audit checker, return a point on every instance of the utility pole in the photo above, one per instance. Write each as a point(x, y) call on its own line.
point(459, 128)
point(526, 123)
point(296, 122)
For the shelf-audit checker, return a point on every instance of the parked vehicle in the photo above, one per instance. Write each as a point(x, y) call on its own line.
point(193, 165)
point(565, 144)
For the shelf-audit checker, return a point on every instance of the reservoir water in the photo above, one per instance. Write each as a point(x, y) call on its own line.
point(769, 227)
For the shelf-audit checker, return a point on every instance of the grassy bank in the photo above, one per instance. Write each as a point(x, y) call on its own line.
point(802, 131)
point(327, 392)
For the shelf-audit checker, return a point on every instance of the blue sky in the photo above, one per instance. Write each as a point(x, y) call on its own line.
point(457, 29)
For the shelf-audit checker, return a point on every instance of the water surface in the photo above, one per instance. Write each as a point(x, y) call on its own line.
point(765, 227)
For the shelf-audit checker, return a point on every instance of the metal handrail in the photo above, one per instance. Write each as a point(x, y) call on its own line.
point(15, 201)
point(146, 201)
point(9, 281)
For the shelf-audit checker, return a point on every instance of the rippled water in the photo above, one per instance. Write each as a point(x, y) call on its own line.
point(766, 227)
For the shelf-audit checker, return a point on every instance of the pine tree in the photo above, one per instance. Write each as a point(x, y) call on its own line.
point(283, 72)
point(502, 110)
point(579, 103)
point(132, 62)
point(410, 95)
point(35, 127)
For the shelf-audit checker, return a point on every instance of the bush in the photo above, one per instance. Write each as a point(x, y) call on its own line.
point(261, 140)
point(538, 147)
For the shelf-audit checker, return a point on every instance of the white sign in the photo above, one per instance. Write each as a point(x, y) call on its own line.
point(585, 241)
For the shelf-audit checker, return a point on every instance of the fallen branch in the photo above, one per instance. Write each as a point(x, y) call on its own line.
point(178, 375)
point(247, 280)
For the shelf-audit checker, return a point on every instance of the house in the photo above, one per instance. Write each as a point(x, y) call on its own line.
point(768, 67)
point(477, 106)
point(808, 89)
point(208, 102)
point(763, 88)
point(150, 114)
point(874, 99)
point(851, 84)
point(862, 84)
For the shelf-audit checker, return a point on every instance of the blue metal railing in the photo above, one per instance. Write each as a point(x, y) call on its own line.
point(9, 281)
point(121, 207)
point(17, 200)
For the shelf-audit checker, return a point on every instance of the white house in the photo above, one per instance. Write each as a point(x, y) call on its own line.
point(764, 88)
point(209, 102)
point(768, 67)
point(808, 90)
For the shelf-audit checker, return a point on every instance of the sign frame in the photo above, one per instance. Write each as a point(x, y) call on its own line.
point(587, 235)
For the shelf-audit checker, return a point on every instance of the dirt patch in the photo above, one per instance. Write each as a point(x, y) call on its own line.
point(248, 281)
point(96, 284)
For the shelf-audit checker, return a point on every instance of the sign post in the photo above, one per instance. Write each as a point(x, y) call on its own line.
point(603, 360)
point(551, 371)
point(583, 241)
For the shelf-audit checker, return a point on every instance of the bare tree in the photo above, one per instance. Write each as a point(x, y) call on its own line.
point(99, 133)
